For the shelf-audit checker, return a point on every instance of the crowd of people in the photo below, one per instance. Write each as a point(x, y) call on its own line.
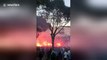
point(56, 54)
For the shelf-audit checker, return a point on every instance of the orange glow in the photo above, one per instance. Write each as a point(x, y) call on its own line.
point(58, 44)
point(49, 44)
point(45, 43)
point(38, 45)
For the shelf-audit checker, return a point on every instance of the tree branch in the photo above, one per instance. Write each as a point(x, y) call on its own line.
point(56, 30)
point(61, 29)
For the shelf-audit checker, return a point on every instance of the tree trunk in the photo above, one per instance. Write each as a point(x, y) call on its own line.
point(53, 38)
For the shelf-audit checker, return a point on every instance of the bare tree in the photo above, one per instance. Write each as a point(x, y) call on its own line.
point(56, 22)
point(56, 15)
